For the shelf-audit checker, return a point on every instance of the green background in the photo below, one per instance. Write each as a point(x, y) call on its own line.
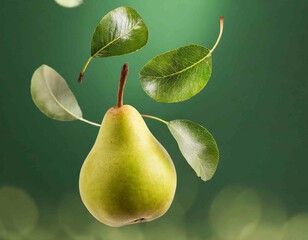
point(255, 105)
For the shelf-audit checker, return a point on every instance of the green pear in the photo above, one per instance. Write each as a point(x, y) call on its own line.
point(128, 176)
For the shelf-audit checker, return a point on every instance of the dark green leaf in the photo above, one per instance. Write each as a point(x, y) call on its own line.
point(121, 31)
point(177, 75)
point(197, 146)
point(52, 95)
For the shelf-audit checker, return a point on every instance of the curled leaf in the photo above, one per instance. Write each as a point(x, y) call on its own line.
point(197, 146)
point(52, 95)
point(177, 75)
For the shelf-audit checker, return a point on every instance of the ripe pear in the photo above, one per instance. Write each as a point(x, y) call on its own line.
point(128, 176)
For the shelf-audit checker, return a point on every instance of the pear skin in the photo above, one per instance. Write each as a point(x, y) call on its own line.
point(128, 176)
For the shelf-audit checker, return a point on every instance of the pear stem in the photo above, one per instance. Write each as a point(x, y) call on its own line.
point(80, 78)
point(155, 118)
point(123, 77)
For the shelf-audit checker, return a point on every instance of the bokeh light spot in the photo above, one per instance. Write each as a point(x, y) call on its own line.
point(18, 212)
point(235, 208)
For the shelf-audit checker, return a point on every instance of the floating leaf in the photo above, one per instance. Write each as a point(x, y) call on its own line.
point(69, 3)
point(197, 146)
point(52, 95)
point(121, 31)
point(177, 75)
point(180, 74)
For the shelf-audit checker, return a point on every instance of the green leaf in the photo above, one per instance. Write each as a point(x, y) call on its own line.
point(197, 146)
point(120, 32)
point(177, 75)
point(52, 95)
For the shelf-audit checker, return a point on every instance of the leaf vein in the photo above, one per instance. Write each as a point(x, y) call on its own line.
point(116, 39)
point(183, 70)
point(65, 109)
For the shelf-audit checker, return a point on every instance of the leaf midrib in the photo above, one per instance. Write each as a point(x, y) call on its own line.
point(116, 39)
point(183, 70)
point(59, 103)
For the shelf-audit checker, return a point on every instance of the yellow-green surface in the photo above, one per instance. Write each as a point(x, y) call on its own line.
point(255, 105)
point(128, 177)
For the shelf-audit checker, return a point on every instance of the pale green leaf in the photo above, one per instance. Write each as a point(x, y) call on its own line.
point(52, 95)
point(69, 3)
point(197, 146)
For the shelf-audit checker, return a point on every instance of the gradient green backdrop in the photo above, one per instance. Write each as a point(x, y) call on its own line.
point(255, 103)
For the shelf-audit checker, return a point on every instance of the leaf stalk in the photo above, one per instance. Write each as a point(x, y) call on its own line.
point(80, 78)
point(220, 34)
point(155, 118)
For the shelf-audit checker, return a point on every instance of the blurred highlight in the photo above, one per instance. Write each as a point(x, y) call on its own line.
point(69, 3)
point(18, 213)
point(236, 213)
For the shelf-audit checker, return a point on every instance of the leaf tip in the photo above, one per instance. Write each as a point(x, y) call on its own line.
point(42, 66)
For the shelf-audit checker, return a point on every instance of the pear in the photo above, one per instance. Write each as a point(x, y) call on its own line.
point(128, 176)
